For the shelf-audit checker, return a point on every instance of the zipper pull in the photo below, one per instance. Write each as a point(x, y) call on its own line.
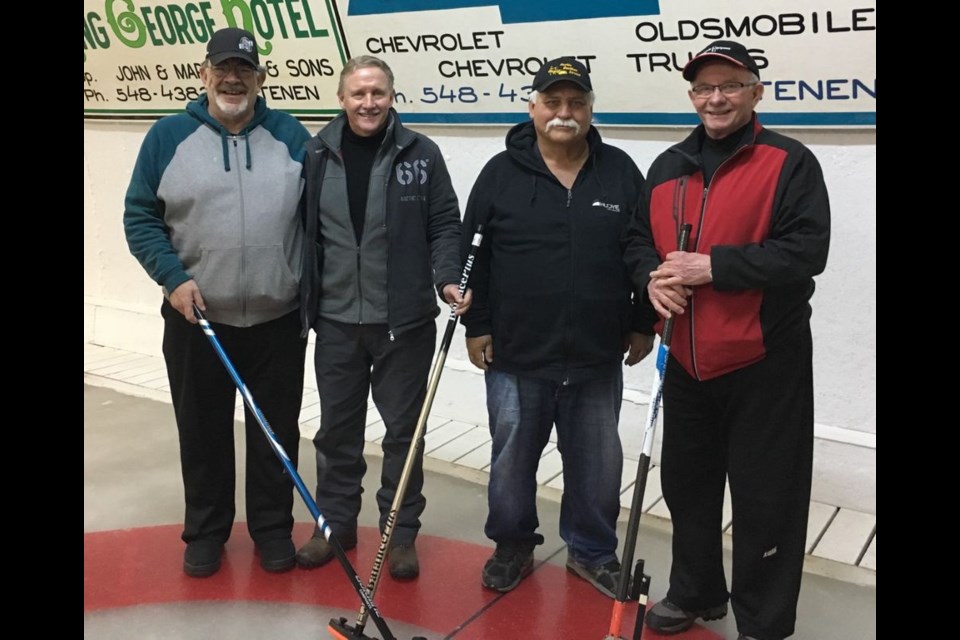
point(390, 333)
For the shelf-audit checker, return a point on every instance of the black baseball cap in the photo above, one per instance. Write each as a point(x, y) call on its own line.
point(725, 50)
point(233, 43)
point(562, 70)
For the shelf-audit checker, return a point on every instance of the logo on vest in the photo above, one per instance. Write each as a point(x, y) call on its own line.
point(412, 172)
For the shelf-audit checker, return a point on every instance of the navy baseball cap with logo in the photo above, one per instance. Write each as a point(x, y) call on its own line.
point(562, 70)
point(233, 43)
point(724, 50)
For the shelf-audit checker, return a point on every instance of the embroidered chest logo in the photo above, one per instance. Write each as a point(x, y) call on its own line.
point(606, 205)
point(412, 172)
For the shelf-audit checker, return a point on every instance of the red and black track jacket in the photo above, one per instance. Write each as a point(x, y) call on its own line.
point(764, 221)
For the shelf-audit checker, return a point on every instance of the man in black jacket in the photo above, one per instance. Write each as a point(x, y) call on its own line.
point(738, 391)
point(551, 319)
point(383, 234)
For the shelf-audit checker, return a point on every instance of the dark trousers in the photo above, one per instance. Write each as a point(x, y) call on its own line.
point(755, 426)
point(269, 357)
point(352, 360)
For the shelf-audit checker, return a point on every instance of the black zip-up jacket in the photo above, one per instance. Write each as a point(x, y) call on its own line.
point(549, 283)
point(765, 223)
point(421, 216)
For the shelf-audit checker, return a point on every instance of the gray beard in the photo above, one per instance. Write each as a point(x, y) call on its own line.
point(230, 109)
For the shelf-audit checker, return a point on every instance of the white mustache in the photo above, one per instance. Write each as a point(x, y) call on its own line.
point(560, 122)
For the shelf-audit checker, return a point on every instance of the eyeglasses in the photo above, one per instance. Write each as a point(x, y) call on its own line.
point(727, 88)
point(240, 70)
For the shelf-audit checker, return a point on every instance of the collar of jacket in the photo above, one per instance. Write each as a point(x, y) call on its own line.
point(690, 146)
point(521, 143)
point(332, 134)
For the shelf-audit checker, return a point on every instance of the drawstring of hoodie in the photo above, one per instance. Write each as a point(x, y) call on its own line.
point(226, 151)
point(200, 109)
point(533, 192)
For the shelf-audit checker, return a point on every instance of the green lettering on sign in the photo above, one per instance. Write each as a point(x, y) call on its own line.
point(246, 20)
point(128, 26)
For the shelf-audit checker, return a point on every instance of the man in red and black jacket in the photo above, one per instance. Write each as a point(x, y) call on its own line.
point(738, 390)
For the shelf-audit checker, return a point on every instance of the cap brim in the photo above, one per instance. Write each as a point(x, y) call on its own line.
point(690, 70)
point(217, 58)
point(552, 81)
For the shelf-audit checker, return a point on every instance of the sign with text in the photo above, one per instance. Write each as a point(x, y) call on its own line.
point(472, 61)
point(142, 58)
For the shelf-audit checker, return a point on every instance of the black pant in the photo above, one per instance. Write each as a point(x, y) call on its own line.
point(351, 360)
point(269, 357)
point(754, 425)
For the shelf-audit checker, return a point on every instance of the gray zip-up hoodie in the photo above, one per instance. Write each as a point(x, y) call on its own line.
point(222, 209)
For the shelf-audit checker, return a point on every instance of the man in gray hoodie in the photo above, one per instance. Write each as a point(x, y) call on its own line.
point(211, 214)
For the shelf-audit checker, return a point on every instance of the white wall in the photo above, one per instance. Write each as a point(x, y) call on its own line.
point(121, 304)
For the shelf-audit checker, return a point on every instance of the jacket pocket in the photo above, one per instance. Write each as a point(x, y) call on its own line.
point(218, 276)
point(269, 281)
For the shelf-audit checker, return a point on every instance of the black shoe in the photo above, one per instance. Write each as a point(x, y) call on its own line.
point(403, 561)
point(744, 636)
point(202, 558)
point(508, 565)
point(604, 577)
point(318, 552)
point(277, 556)
point(667, 618)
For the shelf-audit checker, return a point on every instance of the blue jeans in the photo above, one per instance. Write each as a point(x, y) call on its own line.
point(522, 412)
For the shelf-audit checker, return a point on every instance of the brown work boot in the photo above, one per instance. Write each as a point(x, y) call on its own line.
point(403, 561)
point(318, 552)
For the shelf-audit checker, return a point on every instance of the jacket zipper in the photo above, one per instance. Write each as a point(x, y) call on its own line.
point(568, 338)
point(243, 233)
point(693, 344)
point(696, 245)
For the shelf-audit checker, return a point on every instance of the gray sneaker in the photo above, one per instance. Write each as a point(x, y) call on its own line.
point(604, 577)
point(509, 564)
point(667, 618)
